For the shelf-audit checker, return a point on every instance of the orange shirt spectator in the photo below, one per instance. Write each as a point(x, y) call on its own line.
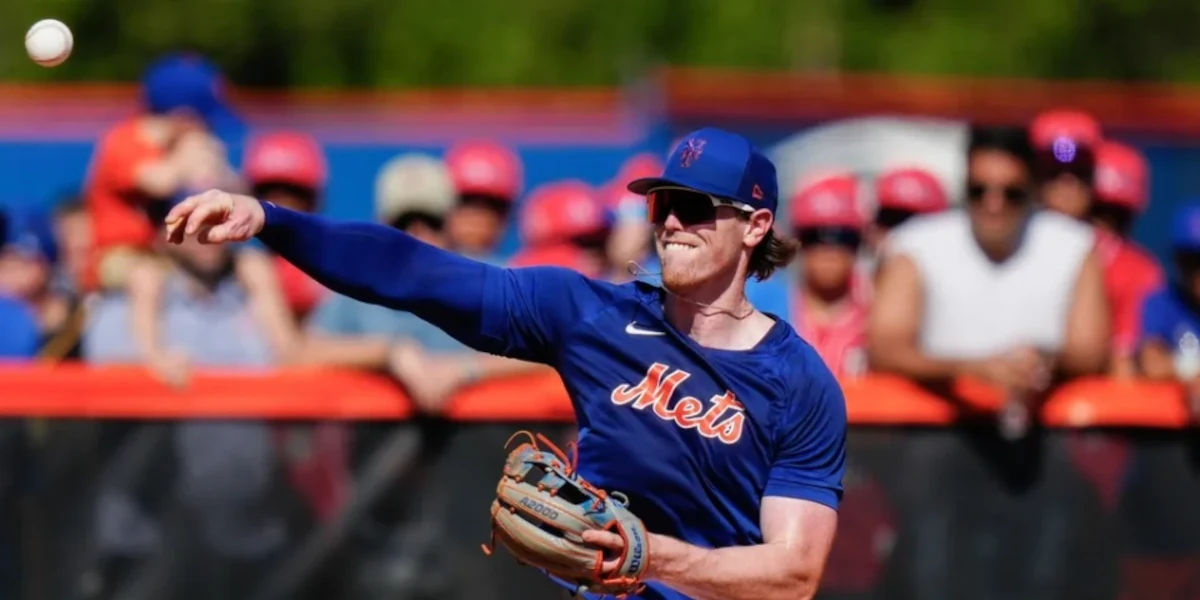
point(115, 200)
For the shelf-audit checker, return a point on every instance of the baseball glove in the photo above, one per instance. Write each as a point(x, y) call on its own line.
point(542, 508)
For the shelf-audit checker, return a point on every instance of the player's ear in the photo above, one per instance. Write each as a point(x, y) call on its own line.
point(757, 226)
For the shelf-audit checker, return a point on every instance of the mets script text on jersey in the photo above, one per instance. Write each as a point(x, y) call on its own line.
point(723, 420)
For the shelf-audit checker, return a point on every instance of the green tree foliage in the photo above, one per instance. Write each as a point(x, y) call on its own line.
point(403, 43)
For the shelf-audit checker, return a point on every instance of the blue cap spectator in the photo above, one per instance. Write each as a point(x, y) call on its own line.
point(31, 234)
point(19, 335)
point(189, 82)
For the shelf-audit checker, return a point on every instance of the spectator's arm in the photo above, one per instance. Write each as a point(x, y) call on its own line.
point(336, 337)
point(1154, 354)
point(1156, 361)
point(195, 161)
point(894, 325)
point(144, 285)
point(367, 353)
point(1086, 347)
point(1127, 320)
point(257, 276)
point(291, 346)
point(157, 178)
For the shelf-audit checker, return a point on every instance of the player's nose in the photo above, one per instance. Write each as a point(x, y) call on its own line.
point(672, 222)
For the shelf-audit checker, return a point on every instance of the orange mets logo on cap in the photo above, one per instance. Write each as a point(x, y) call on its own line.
point(692, 150)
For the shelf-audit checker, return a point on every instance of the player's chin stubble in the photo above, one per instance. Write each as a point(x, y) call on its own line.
point(678, 276)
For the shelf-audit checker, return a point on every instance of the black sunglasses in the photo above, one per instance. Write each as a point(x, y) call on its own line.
point(1013, 194)
point(891, 217)
point(495, 204)
point(689, 206)
point(842, 237)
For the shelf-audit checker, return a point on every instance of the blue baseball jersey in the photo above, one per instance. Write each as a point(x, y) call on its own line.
point(694, 436)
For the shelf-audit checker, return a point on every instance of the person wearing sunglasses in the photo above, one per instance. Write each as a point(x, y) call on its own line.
point(690, 400)
point(826, 220)
point(978, 283)
point(1012, 296)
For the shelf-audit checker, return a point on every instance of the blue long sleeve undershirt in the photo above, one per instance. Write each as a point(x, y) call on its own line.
point(385, 266)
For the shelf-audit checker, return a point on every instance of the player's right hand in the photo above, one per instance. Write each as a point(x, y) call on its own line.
point(215, 217)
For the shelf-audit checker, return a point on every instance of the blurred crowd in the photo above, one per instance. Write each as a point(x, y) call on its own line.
point(1031, 279)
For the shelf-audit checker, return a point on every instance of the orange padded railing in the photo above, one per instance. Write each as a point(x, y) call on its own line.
point(128, 392)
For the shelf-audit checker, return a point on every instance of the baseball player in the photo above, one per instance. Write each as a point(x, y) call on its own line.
point(723, 428)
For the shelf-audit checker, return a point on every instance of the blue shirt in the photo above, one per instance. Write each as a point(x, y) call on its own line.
point(694, 436)
point(1168, 314)
point(19, 336)
point(343, 315)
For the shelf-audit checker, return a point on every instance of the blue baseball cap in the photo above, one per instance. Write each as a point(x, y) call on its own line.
point(1185, 229)
point(721, 164)
point(31, 234)
point(191, 82)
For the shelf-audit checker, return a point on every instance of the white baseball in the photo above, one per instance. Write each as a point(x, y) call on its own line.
point(49, 42)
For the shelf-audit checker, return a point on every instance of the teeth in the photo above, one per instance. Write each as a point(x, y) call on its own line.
point(677, 246)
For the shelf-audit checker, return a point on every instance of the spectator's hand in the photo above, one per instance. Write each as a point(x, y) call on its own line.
point(215, 217)
point(429, 380)
point(171, 367)
point(1023, 370)
point(1036, 368)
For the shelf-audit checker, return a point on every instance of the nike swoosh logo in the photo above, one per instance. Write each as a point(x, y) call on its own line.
point(633, 329)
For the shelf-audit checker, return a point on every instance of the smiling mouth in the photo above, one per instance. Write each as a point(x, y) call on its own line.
point(677, 246)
